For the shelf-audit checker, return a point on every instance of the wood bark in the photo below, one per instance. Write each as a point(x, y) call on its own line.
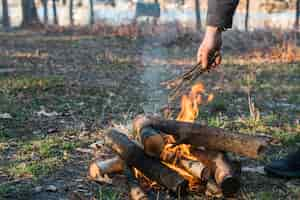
point(211, 138)
point(5, 14)
point(55, 18)
point(226, 174)
point(101, 167)
point(134, 156)
point(196, 168)
point(154, 144)
point(151, 139)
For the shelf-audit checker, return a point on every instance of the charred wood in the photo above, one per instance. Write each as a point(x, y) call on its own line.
point(152, 168)
point(211, 138)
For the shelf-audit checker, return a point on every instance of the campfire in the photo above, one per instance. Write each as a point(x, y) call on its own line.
point(179, 155)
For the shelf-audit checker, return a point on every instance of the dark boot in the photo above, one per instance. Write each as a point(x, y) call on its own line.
point(288, 167)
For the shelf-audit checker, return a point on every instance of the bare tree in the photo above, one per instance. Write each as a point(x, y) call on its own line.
point(247, 14)
point(55, 19)
point(45, 6)
point(297, 14)
point(71, 4)
point(198, 14)
point(92, 15)
point(29, 13)
point(5, 18)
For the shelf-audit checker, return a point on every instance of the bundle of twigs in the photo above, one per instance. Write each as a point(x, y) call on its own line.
point(180, 83)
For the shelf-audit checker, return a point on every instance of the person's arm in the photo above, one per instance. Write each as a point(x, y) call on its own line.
point(220, 13)
point(219, 18)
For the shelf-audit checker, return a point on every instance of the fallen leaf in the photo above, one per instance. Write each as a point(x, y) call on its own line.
point(5, 116)
point(51, 188)
point(258, 169)
point(42, 112)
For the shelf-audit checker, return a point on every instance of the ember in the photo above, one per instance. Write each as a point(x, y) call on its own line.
point(181, 155)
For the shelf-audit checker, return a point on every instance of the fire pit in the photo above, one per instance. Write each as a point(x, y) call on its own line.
point(179, 155)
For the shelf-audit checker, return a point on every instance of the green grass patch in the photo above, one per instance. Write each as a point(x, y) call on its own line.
point(106, 193)
point(41, 156)
point(13, 85)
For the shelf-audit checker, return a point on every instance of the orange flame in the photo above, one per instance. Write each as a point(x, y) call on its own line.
point(189, 112)
point(190, 103)
point(172, 154)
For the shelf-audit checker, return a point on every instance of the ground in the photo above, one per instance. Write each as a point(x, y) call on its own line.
point(60, 92)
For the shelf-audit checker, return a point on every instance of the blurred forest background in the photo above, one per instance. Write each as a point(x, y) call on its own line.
point(250, 14)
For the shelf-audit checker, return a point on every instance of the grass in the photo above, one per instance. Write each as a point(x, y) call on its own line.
point(93, 82)
point(107, 194)
point(40, 157)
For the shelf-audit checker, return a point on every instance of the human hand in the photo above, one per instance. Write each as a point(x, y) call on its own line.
point(209, 52)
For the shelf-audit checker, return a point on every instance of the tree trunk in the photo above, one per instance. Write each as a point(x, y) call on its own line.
point(45, 6)
point(297, 14)
point(247, 14)
point(29, 12)
point(211, 138)
point(198, 15)
point(92, 16)
point(152, 168)
point(55, 19)
point(71, 4)
point(5, 17)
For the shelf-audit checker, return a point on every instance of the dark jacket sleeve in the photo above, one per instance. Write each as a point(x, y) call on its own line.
point(220, 13)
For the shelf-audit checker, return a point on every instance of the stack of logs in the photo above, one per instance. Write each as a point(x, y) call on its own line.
point(212, 171)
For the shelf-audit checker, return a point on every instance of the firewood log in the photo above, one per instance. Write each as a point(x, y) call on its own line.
point(102, 167)
point(152, 168)
point(211, 138)
point(226, 173)
point(154, 144)
point(196, 168)
point(152, 140)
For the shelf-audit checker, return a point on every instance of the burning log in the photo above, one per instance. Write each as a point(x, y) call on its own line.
point(226, 175)
point(100, 168)
point(135, 157)
point(211, 138)
point(154, 145)
point(151, 139)
point(196, 169)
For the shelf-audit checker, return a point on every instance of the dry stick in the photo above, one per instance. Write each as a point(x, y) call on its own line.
point(100, 168)
point(134, 156)
point(212, 138)
point(178, 84)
